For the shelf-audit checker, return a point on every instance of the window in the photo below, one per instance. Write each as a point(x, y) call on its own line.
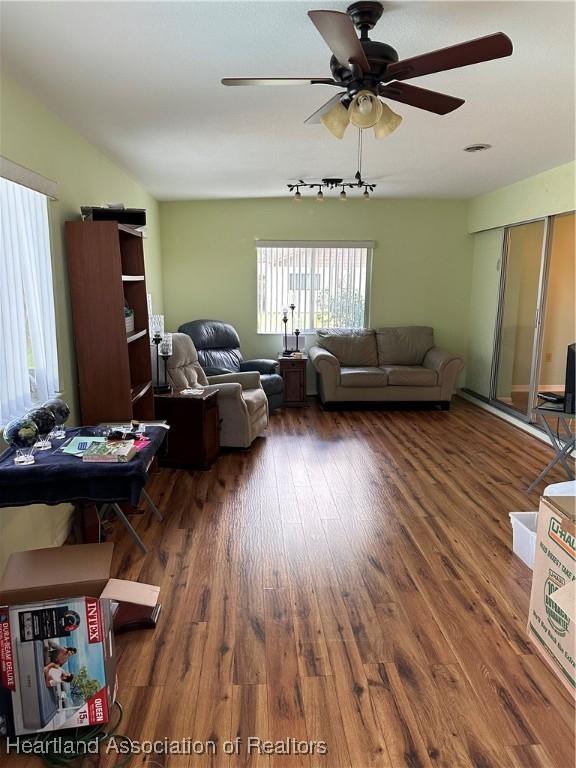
point(28, 357)
point(328, 283)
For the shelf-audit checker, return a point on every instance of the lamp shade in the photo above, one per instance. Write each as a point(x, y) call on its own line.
point(365, 110)
point(336, 120)
point(156, 325)
point(165, 348)
point(388, 122)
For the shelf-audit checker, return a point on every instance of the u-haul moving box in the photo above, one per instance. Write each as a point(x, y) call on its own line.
point(552, 611)
point(57, 664)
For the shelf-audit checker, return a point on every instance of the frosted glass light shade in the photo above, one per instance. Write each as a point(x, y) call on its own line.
point(156, 326)
point(165, 349)
point(388, 122)
point(336, 120)
point(361, 114)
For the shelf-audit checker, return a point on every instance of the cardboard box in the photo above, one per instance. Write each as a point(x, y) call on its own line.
point(552, 612)
point(61, 596)
point(57, 660)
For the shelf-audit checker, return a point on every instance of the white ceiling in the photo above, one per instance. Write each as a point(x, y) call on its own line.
point(141, 80)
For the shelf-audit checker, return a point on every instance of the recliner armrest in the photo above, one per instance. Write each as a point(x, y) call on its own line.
point(262, 365)
point(320, 357)
point(228, 390)
point(248, 379)
point(212, 370)
point(437, 359)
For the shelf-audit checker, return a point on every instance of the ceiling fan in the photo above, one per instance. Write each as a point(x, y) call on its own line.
point(368, 69)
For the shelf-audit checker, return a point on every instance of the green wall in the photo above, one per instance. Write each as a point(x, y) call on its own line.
point(420, 274)
point(34, 137)
point(545, 194)
point(483, 307)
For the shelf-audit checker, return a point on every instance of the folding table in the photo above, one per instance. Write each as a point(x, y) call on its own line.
point(58, 478)
point(563, 439)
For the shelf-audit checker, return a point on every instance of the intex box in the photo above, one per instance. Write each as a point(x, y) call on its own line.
point(552, 611)
point(57, 660)
point(53, 600)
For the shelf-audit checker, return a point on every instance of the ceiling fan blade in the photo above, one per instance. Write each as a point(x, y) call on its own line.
point(432, 101)
point(339, 34)
point(315, 116)
point(278, 81)
point(473, 52)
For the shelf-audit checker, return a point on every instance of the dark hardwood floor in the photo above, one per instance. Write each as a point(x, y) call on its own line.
point(348, 580)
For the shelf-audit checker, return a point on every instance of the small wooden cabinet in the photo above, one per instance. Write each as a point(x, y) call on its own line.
point(193, 440)
point(293, 371)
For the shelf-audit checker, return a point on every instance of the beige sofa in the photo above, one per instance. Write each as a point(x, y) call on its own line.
point(383, 365)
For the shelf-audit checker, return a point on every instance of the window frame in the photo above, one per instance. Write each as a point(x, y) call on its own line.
point(368, 245)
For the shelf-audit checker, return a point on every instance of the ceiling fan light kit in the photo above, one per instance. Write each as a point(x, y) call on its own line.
point(336, 120)
point(365, 110)
point(388, 122)
point(367, 69)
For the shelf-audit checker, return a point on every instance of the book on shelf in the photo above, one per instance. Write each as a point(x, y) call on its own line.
point(110, 452)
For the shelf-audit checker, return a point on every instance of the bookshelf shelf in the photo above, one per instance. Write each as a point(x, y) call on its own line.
point(106, 271)
point(139, 390)
point(136, 336)
point(133, 278)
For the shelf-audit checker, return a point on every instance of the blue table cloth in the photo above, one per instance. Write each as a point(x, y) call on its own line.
point(57, 477)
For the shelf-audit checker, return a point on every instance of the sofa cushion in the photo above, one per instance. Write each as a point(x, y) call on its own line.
point(367, 376)
point(352, 346)
point(404, 345)
point(410, 376)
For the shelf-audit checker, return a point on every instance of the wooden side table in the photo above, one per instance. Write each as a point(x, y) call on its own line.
point(293, 371)
point(193, 440)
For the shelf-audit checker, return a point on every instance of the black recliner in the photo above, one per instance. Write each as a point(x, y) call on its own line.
point(218, 347)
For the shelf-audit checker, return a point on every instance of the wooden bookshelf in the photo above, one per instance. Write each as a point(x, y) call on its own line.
point(106, 269)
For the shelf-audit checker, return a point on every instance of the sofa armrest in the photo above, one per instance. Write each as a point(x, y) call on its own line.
point(261, 365)
point(321, 359)
point(448, 365)
point(248, 379)
point(327, 366)
point(437, 359)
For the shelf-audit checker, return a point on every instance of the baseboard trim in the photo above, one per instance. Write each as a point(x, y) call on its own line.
point(529, 428)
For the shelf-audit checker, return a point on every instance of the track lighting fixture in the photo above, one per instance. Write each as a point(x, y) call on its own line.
point(336, 183)
point(330, 184)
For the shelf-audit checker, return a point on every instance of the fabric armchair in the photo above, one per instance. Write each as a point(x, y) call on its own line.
point(242, 403)
point(218, 347)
